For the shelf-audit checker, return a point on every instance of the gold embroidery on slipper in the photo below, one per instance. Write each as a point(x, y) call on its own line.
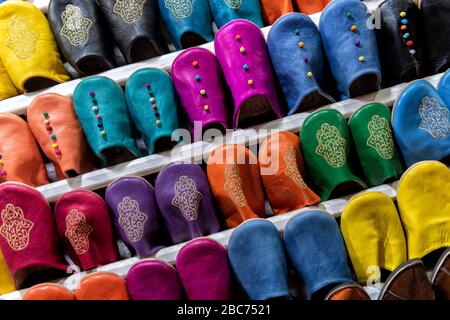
point(131, 219)
point(77, 231)
point(15, 228)
point(75, 26)
point(435, 118)
point(381, 137)
point(22, 38)
point(129, 10)
point(331, 145)
point(290, 158)
point(180, 8)
point(187, 198)
point(233, 4)
point(233, 185)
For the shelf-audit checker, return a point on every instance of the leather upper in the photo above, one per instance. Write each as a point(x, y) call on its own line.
point(102, 286)
point(7, 88)
point(272, 10)
point(48, 291)
point(224, 11)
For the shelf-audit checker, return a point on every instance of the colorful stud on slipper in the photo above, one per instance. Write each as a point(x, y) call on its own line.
point(224, 11)
point(272, 10)
point(234, 176)
point(204, 270)
point(20, 157)
point(347, 291)
point(102, 286)
point(82, 35)
point(28, 236)
point(188, 22)
point(100, 105)
point(7, 89)
point(153, 105)
point(351, 47)
point(6, 281)
point(283, 173)
point(421, 122)
point(311, 7)
point(297, 55)
point(444, 88)
point(153, 280)
point(48, 291)
point(326, 149)
point(242, 53)
point(55, 125)
point(374, 141)
point(29, 50)
point(136, 215)
point(185, 201)
point(440, 278)
point(85, 229)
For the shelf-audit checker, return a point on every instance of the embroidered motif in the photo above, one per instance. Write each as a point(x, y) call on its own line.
point(129, 10)
point(233, 4)
point(233, 185)
point(331, 145)
point(180, 8)
point(75, 26)
point(187, 198)
point(290, 158)
point(131, 219)
point(22, 38)
point(15, 228)
point(435, 118)
point(381, 137)
point(77, 231)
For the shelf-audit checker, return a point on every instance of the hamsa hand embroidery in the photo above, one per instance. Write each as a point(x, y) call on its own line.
point(331, 145)
point(131, 219)
point(187, 198)
point(290, 158)
point(233, 4)
point(129, 10)
point(77, 231)
point(22, 39)
point(435, 118)
point(380, 137)
point(75, 26)
point(180, 8)
point(233, 185)
point(15, 228)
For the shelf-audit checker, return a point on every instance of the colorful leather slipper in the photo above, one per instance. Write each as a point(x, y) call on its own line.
point(233, 173)
point(224, 11)
point(48, 291)
point(28, 236)
point(311, 7)
point(326, 148)
point(137, 220)
point(136, 26)
point(444, 88)
point(323, 264)
point(399, 41)
point(82, 35)
point(199, 82)
point(100, 105)
point(20, 157)
point(6, 281)
point(55, 125)
point(283, 173)
point(102, 286)
point(374, 141)
point(296, 50)
point(421, 122)
point(188, 22)
point(373, 234)
point(85, 229)
point(408, 282)
point(153, 280)
point(7, 89)
point(440, 279)
point(185, 200)
point(29, 50)
point(424, 186)
point(153, 105)
point(204, 271)
point(272, 10)
point(258, 260)
point(348, 291)
point(351, 48)
point(242, 53)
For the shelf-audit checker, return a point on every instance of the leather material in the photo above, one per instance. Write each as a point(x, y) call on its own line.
point(101, 108)
point(195, 70)
point(7, 89)
point(188, 22)
point(48, 291)
point(311, 6)
point(424, 186)
point(399, 40)
point(316, 248)
point(28, 236)
point(272, 10)
point(233, 173)
point(102, 286)
point(242, 53)
point(204, 271)
point(57, 130)
point(136, 27)
point(185, 200)
point(6, 281)
point(21, 159)
point(146, 114)
point(258, 260)
point(440, 279)
point(153, 280)
point(283, 173)
point(224, 11)
point(353, 55)
point(29, 52)
point(373, 234)
point(132, 202)
point(444, 88)
point(421, 122)
point(85, 229)
point(374, 142)
point(82, 35)
point(348, 291)
point(326, 148)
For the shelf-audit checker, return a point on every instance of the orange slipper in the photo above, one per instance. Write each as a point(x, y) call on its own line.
point(48, 291)
point(102, 286)
point(272, 10)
